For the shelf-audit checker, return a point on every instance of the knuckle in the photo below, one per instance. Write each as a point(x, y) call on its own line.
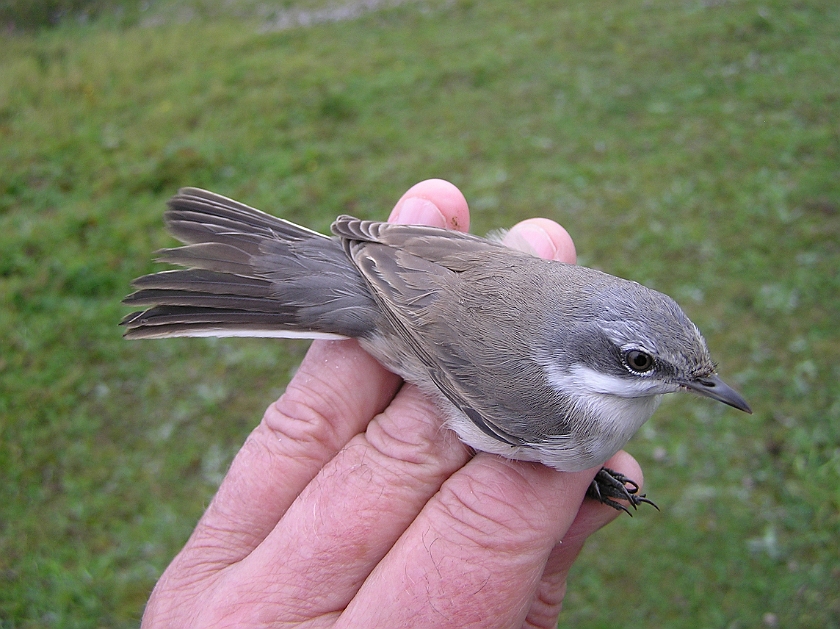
point(308, 416)
point(494, 513)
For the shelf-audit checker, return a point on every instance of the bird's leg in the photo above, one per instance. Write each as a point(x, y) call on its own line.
point(609, 486)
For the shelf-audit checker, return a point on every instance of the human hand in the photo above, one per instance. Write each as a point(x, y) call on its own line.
point(350, 506)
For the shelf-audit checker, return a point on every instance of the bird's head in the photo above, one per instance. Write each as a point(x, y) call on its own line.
point(629, 341)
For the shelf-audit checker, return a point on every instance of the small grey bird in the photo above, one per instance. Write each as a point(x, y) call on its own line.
point(528, 358)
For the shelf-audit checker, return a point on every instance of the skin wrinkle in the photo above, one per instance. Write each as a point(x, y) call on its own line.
point(211, 537)
point(518, 549)
point(319, 421)
point(259, 606)
point(392, 439)
point(547, 603)
point(396, 459)
point(246, 609)
point(461, 606)
point(396, 475)
point(193, 581)
point(313, 392)
point(218, 563)
point(295, 423)
point(495, 517)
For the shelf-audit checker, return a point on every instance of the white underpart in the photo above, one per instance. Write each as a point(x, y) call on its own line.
point(617, 406)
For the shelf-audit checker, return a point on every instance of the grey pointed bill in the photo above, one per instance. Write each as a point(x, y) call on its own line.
point(715, 388)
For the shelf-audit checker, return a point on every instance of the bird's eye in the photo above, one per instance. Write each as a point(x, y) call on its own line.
point(638, 361)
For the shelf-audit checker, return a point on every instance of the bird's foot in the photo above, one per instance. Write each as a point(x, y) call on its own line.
point(609, 486)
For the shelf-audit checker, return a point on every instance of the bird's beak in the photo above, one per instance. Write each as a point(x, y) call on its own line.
point(715, 388)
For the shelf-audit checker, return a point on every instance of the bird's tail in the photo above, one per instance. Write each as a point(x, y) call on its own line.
point(248, 274)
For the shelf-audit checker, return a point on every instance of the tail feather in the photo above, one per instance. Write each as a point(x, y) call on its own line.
point(173, 297)
point(215, 214)
point(174, 321)
point(199, 279)
point(210, 256)
point(248, 274)
point(196, 233)
point(166, 315)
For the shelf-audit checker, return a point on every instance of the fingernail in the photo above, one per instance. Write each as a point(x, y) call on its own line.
point(532, 239)
point(416, 211)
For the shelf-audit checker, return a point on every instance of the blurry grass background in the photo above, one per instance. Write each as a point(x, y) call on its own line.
point(693, 146)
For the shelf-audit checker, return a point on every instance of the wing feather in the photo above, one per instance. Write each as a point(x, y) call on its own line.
point(415, 274)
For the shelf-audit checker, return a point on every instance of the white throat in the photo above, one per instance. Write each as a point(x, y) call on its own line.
point(617, 406)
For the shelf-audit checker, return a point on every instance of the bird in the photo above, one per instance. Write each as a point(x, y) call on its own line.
point(527, 358)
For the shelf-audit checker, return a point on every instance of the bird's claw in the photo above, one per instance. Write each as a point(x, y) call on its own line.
point(609, 486)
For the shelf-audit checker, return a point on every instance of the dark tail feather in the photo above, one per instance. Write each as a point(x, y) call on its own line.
point(198, 279)
point(249, 274)
point(172, 321)
point(196, 215)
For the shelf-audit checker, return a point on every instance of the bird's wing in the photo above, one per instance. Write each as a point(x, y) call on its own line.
point(450, 249)
point(412, 270)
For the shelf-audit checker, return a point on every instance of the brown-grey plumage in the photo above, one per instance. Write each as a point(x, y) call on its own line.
point(529, 358)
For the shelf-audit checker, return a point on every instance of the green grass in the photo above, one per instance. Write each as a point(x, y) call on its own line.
point(692, 146)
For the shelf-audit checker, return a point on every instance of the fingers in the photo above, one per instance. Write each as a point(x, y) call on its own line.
point(433, 202)
point(317, 415)
point(336, 390)
point(542, 237)
point(477, 550)
point(348, 518)
point(487, 548)
point(438, 203)
point(591, 517)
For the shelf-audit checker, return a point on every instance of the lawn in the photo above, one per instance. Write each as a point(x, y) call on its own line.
point(693, 146)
